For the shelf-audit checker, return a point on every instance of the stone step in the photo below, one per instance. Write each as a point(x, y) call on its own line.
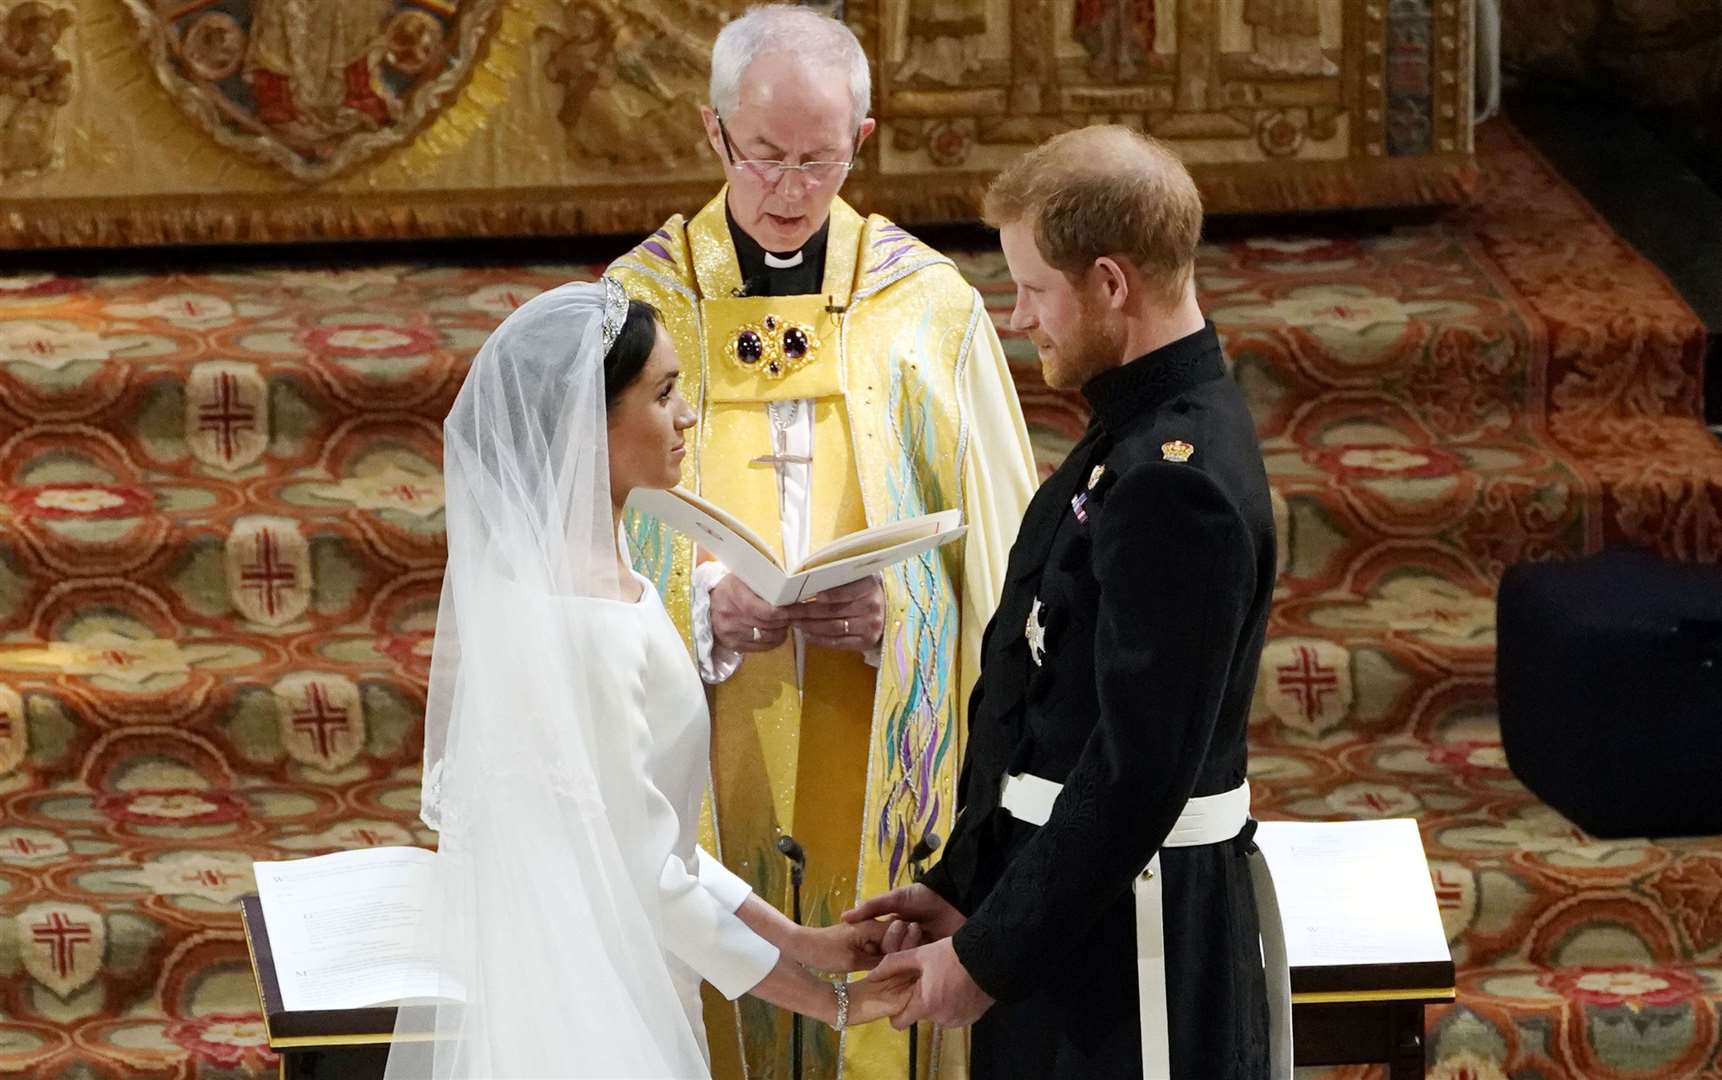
point(1399, 646)
point(1580, 1021)
point(116, 710)
point(1367, 487)
point(222, 372)
point(1516, 882)
point(117, 906)
point(1491, 503)
point(311, 547)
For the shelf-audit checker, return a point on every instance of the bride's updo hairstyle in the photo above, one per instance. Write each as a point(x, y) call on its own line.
point(627, 357)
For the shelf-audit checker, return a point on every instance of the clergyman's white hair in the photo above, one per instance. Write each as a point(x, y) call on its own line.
point(787, 28)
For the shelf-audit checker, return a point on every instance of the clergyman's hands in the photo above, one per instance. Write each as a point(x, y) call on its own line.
point(942, 991)
point(850, 617)
point(737, 611)
point(916, 915)
point(843, 947)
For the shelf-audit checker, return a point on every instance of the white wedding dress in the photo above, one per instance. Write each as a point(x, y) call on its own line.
point(567, 750)
point(661, 712)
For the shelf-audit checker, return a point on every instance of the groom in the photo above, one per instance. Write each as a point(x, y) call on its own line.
point(1095, 915)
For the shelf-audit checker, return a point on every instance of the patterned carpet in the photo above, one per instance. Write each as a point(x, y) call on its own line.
point(220, 548)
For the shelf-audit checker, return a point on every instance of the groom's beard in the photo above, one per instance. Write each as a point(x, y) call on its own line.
point(1097, 346)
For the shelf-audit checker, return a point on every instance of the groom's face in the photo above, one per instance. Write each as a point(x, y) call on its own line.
point(1071, 325)
point(789, 112)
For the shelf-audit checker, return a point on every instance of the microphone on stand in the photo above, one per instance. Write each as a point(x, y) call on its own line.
point(918, 855)
point(790, 848)
point(921, 852)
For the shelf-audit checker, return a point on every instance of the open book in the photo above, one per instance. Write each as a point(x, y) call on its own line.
point(344, 929)
point(749, 557)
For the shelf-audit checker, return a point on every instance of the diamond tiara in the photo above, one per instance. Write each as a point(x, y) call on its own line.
point(615, 310)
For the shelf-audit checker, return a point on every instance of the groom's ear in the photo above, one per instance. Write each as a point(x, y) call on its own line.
point(1114, 283)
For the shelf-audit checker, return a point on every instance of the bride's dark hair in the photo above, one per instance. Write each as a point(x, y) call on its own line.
point(627, 357)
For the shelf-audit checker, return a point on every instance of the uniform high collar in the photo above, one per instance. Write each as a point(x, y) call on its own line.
point(1123, 395)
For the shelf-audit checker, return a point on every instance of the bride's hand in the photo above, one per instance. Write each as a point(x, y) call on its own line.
point(879, 999)
point(842, 948)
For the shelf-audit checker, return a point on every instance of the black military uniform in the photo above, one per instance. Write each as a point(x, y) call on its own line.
point(1120, 663)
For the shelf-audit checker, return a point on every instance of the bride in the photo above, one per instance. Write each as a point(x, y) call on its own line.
point(567, 741)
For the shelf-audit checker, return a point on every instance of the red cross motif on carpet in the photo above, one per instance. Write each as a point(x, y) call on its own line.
point(269, 570)
point(1308, 684)
point(62, 937)
point(1372, 801)
point(64, 945)
point(268, 575)
point(210, 876)
point(1307, 680)
point(1449, 894)
point(119, 658)
point(409, 493)
point(320, 719)
point(225, 416)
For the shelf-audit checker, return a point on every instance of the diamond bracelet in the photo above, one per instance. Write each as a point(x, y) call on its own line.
point(841, 987)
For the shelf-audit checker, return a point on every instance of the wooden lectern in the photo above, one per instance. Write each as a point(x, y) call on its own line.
point(1363, 935)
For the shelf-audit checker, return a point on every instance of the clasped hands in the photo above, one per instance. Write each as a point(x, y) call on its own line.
point(849, 617)
point(904, 937)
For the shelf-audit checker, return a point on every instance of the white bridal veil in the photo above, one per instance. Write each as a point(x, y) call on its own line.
point(542, 919)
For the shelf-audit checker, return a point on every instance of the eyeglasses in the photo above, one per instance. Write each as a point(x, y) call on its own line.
point(813, 173)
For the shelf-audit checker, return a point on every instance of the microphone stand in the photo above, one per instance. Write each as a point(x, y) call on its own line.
point(791, 849)
point(918, 855)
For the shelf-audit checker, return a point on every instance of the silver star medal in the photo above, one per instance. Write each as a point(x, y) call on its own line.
point(1036, 633)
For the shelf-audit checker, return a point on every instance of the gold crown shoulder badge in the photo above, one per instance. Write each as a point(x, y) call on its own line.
point(1177, 450)
point(773, 347)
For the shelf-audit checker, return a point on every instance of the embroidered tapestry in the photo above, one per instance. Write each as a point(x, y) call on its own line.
point(150, 121)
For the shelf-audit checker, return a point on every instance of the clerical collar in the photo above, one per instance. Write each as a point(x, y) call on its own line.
point(804, 269)
point(1125, 394)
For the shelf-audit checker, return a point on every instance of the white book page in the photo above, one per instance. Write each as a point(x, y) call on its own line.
point(713, 526)
point(884, 537)
point(344, 928)
point(1354, 892)
point(846, 559)
point(813, 582)
point(732, 543)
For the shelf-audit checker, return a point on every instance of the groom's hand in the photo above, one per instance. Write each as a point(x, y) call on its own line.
point(742, 622)
point(850, 617)
point(917, 914)
point(943, 991)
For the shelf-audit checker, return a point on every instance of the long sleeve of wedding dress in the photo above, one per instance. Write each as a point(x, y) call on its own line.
point(697, 895)
point(702, 930)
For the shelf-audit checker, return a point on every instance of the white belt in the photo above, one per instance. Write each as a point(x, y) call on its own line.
point(1210, 819)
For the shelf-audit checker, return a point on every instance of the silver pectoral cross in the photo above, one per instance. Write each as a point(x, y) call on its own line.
point(783, 414)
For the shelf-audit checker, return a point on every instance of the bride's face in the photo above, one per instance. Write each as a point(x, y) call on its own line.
point(646, 422)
